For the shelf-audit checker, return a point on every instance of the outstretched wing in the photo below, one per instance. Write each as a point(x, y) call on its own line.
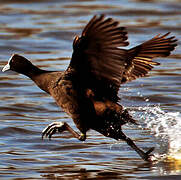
point(97, 60)
point(139, 60)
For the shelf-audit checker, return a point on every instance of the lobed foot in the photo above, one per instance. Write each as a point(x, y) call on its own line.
point(147, 156)
point(53, 128)
point(60, 127)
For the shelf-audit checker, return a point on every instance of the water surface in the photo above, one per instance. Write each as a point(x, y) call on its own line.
point(43, 32)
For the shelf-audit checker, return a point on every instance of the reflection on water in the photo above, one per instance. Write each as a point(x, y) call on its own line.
point(43, 32)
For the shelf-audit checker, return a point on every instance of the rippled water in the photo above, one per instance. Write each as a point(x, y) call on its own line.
point(43, 32)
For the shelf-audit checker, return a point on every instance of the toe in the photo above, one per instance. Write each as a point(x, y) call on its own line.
point(52, 129)
point(150, 150)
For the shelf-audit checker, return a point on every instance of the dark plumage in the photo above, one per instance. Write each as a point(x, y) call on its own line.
point(88, 89)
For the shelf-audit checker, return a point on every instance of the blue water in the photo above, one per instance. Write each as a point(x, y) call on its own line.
point(43, 32)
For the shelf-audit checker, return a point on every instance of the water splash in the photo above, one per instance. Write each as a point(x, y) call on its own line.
point(166, 127)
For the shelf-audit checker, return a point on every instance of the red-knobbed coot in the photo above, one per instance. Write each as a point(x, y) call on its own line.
point(88, 89)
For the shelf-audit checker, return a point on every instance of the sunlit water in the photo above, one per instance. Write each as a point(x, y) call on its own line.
point(43, 32)
point(166, 128)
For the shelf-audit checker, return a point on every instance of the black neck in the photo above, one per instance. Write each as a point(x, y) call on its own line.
point(33, 71)
point(39, 77)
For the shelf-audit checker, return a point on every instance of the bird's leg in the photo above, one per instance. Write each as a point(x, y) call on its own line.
point(126, 117)
point(60, 127)
point(145, 156)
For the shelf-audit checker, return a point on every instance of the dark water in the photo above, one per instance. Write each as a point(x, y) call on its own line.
point(43, 32)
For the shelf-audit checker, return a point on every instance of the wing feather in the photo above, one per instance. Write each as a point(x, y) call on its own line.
point(99, 63)
point(96, 58)
point(140, 57)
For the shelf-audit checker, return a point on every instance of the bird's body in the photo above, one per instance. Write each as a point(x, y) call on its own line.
point(87, 112)
point(88, 89)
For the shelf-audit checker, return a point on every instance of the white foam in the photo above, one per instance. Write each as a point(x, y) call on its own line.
point(165, 126)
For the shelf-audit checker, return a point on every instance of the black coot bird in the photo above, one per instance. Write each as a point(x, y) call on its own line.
point(88, 89)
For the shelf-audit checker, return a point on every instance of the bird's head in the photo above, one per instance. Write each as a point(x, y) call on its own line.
point(18, 64)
